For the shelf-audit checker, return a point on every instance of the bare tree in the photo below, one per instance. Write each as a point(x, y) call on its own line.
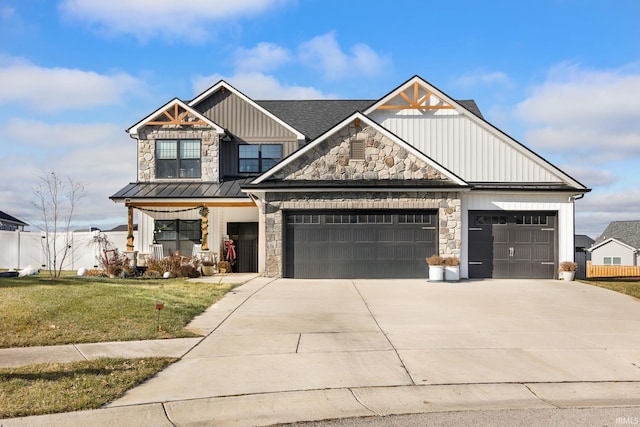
point(56, 200)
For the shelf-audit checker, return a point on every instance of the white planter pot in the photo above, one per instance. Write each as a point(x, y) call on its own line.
point(436, 273)
point(568, 275)
point(452, 273)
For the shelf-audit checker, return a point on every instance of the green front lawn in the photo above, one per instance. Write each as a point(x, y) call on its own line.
point(37, 311)
point(65, 387)
point(624, 285)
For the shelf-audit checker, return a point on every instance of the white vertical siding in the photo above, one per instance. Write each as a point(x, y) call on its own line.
point(560, 203)
point(145, 232)
point(462, 146)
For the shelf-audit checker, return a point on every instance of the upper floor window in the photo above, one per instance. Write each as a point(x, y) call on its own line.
point(178, 158)
point(258, 157)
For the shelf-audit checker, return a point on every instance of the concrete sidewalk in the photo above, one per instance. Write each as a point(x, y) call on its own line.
point(15, 357)
point(287, 350)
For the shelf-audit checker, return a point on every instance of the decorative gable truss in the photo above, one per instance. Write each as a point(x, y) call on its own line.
point(176, 120)
point(358, 149)
point(453, 135)
point(416, 97)
point(175, 115)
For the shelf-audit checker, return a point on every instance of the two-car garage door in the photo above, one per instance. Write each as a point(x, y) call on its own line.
point(359, 244)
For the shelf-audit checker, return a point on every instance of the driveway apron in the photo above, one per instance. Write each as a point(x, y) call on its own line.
point(289, 335)
point(292, 335)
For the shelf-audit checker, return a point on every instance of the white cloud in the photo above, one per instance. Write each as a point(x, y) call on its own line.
point(259, 86)
point(43, 135)
point(596, 211)
point(6, 12)
point(192, 20)
point(56, 89)
point(590, 177)
point(585, 110)
point(482, 78)
point(263, 57)
point(99, 156)
point(324, 52)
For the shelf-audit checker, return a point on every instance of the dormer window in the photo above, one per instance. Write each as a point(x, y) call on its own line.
point(256, 158)
point(178, 158)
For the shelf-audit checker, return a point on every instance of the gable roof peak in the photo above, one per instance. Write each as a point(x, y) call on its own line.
point(360, 120)
point(174, 112)
point(624, 231)
point(223, 85)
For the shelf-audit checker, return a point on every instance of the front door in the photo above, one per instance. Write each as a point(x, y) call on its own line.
point(245, 238)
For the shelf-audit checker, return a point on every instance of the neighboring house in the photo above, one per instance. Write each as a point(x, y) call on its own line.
point(11, 223)
point(619, 244)
point(582, 244)
point(348, 189)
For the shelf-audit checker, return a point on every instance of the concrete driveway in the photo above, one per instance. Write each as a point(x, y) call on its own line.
point(367, 347)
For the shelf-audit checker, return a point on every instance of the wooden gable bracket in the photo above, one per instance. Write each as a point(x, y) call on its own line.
point(418, 103)
point(176, 118)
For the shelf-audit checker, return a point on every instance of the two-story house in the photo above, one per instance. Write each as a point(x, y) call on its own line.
point(348, 189)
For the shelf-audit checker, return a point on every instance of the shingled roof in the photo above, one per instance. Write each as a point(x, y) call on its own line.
point(625, 231)
point(314, 117)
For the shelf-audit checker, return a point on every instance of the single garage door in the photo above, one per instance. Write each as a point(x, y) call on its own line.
point(359, 244)
point(512, 244)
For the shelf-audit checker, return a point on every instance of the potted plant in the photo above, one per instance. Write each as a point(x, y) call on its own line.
point(452, 269)
point(567, 270)
point(207, 268)
point(224, 266)
point(436, 268)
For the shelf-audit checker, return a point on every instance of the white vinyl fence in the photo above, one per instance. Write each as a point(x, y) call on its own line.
point(19, 249)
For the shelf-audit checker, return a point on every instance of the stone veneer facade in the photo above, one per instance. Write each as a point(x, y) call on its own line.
point(383, 160)
point(210, 146)
point(447, 205)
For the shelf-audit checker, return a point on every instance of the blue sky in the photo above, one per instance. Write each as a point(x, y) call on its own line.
point(560, 76)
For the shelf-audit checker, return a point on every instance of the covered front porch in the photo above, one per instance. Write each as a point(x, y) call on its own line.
point(207, 226)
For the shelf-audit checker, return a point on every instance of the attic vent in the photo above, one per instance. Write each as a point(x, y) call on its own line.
point(357, 149)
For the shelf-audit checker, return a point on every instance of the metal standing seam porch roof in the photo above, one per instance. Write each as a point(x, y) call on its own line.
point(182, 190)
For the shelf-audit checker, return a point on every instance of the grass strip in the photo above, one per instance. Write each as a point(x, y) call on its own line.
point(65, 387)
point(629, 286)
point(37, 311)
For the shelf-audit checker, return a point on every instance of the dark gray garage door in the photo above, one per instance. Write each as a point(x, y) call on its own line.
point(512, 244)
point(353, 244)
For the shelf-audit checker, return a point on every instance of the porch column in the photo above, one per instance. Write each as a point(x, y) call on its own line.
point(129, 228)
point(204, 212)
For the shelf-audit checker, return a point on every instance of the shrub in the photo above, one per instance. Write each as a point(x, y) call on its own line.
point(568, 266)
point(435, 260)
point(176, 265)
point(152, 274)
point(451, 261)
point(188, 270)
point(224, 265)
